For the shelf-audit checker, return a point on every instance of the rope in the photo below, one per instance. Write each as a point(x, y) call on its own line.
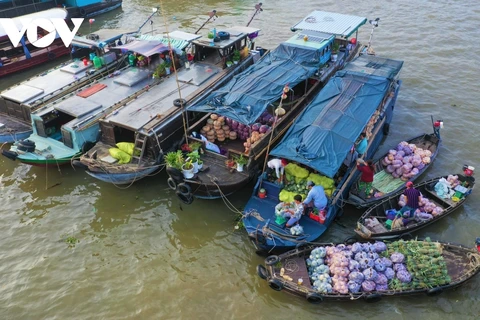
point(227, 202)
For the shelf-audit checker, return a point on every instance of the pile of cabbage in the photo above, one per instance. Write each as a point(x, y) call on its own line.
point(361, 267)
point(427, 210)
point(296, 230)
point(406, 160)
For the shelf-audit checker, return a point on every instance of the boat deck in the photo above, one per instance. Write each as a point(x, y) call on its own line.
point(296, 268)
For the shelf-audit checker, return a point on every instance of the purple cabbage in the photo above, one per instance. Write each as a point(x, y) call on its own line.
point(353, 265)
point(389, 273)
point(370, 274)
point(399, 266)
point(397, 257)
point(368, 286)
point(360, 256)
point(354, 287)
point(372, 255)
point(421, 166)
point(341, 247)
point(380, 246)
point(357, 247)
point(356, 276)
point(404, 276)
point(387, 262)
point(368, 247)
point(366, 263)
point(379, 266)
point(381, 287)
point(381, 279)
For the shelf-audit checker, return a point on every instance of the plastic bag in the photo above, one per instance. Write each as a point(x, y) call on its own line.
point(441, 188)
point(122, 156)
point(126, 147)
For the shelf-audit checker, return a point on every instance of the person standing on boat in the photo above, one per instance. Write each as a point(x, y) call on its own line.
point(296, 213)
point(368, 171)
point(316, 197)
point(361, 146)
point(279, 166)
point(413, 199)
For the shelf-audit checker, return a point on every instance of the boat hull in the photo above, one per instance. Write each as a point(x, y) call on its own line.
point(121, 178)
point(7, 137)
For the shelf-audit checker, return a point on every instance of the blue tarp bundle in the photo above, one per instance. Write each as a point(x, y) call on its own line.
point(325, 131)
point(247, 95)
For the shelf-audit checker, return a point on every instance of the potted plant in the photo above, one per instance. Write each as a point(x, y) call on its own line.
point(229, 64)
point(187, 170)
point(159, 71)
point(167, 65)
point(174, 160)
point(193, 157)
point(241, 161)
point(236, 56)
point(200, 164)
point(335, 48)
point(195, 145)
point(230, 163)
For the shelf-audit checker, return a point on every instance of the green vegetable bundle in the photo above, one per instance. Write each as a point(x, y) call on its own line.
point(424, 261)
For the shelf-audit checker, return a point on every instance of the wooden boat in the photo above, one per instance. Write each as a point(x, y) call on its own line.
point(26, 55)
point(69, 126)
point(317, 145)
point(377, 213)
point(462, 263)
point(20, 100)
point(384, 184)
point(75, 8)
point(153, 136)
point(304, 63)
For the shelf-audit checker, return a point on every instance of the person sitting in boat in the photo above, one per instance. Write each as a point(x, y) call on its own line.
point(413, 199)
point(361, 145)
point(316, 197)
point(279, 166)
point(294, 214)
point(366, 179)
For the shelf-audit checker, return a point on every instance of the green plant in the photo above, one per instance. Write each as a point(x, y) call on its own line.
point(188, 165)
point(159, 70)
point(335, 47)
point(200, 161)
point(229, 63)
point(174, 159)
point(195, 145)
point(236, 55)
point(241, 160)
point(193, 156)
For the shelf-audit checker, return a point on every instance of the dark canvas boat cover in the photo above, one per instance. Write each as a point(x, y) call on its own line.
point(247, 95)
point(324, 132)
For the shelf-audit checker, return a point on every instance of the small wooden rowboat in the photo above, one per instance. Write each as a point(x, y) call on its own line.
point(289, 272)
point(385, 185)
point(427, 188)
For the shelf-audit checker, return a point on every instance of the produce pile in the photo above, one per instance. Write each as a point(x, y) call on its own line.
point(406, 160)
point(367, 267)
point(427, 210)
point(221, 128)
point(296, 182)
point(371, 124)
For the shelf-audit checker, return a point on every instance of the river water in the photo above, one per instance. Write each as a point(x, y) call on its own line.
point(142, 255)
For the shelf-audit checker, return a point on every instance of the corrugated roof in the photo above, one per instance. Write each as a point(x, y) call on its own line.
point(330, 22)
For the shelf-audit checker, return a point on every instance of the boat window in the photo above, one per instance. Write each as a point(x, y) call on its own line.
point(67, 138)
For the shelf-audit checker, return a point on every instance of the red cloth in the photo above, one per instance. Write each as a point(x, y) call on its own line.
point(367, 173)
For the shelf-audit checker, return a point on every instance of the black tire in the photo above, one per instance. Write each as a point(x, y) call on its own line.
point(185, 199)
point(25, 147)
point(350, 240)
point(179, 103)
point(87, 146)
point(262, 272)
point(434, 292)
point(314, 298)
point(172, 184)
point(175, 174)
point(373, 298)
point(10, 154)
point(51, 55)
point(386, 129)
point(271, 260)
point(184, 189)
point(83, 13)
point(275, 284)
point(406, 236)
point(27, 142)
point(224, 35)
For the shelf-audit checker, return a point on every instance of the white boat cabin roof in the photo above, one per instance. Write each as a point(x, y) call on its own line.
point(330, 22)
point(94, 39)
point(236, 33)
point(157, 101)
point(100, 96)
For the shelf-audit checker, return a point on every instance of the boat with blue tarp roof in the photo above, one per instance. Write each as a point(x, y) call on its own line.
point(231, 116)
point(359, 98)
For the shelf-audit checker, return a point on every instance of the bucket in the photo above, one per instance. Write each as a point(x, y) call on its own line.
point(390, 213)
point(92, 56)
point(262, 194)
point(261, 50)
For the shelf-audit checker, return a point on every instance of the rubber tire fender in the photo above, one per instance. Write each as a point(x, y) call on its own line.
point(184, 189)
point(83, 13)
point(314, 298)
point(27, 142)
point(172, 184)
point(434, 292)
point(373, 298)
point(262, 272)
point(386, 129)
point(187, 199)
point(271, 260)
point(275, 284)
point(179, 102)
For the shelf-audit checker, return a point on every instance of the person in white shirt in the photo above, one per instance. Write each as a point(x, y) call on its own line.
point(279, 166)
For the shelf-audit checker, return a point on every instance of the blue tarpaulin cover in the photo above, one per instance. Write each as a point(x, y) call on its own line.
point(324, 132)
point(247, 95)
